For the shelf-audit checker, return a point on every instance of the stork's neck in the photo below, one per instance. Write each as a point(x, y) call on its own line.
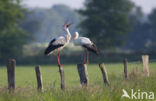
point(68, 34)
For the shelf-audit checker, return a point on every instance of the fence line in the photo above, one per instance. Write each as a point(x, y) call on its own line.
point(132, 62)
point(82, 70)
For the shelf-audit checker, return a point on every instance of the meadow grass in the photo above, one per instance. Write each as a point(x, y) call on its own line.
point(96, 91)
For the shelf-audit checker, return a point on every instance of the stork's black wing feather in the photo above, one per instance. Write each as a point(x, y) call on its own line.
point(51, 48)
point(52, 41)
point(91, 48)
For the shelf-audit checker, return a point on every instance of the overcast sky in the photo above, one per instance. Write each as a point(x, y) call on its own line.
point(146, 5)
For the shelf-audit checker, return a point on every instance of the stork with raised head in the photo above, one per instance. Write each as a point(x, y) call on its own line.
point(86, 43)
point(59, 43)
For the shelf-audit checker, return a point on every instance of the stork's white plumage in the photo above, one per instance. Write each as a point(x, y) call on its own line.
point(85, 43)
point(59, 43)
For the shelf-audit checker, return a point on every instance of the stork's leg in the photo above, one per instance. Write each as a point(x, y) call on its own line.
point(58, 58)
point(87, 56)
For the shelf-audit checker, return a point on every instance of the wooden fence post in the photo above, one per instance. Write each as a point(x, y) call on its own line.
point(39, 78)
point(61, 70)
point(83, 74)
point(125, 68)
point(145, 60)
point(11, 74)
point(104, 73)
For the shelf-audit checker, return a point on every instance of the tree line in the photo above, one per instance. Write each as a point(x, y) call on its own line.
point(110, 24)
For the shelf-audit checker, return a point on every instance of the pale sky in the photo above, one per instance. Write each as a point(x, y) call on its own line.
point(146, 5)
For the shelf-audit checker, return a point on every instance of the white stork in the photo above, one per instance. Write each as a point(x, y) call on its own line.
point(85, 43)
point(59, 43)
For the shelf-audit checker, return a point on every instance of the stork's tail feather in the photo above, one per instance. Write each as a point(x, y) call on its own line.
point(47, 51)
point(92, 48)
point(96, 51)
point(51, 48)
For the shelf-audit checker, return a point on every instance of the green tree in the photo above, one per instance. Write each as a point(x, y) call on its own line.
point(152, 22)
point(106, 22)
point(44, 24)
point(12, 37)
point(30, 24)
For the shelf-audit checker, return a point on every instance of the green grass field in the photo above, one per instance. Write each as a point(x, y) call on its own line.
point(96, 91)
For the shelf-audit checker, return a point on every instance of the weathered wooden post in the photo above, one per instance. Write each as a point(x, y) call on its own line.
point(104, 73)
point(61, 70)
point(83, 74)
point(145, 60)
point(125, 68)
point(11, 74)
point(39, 78)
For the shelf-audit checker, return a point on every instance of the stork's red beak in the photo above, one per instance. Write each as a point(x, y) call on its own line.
point(66, 22)
point(66, 25)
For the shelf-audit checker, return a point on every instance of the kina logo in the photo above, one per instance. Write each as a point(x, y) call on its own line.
point(137, 94)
